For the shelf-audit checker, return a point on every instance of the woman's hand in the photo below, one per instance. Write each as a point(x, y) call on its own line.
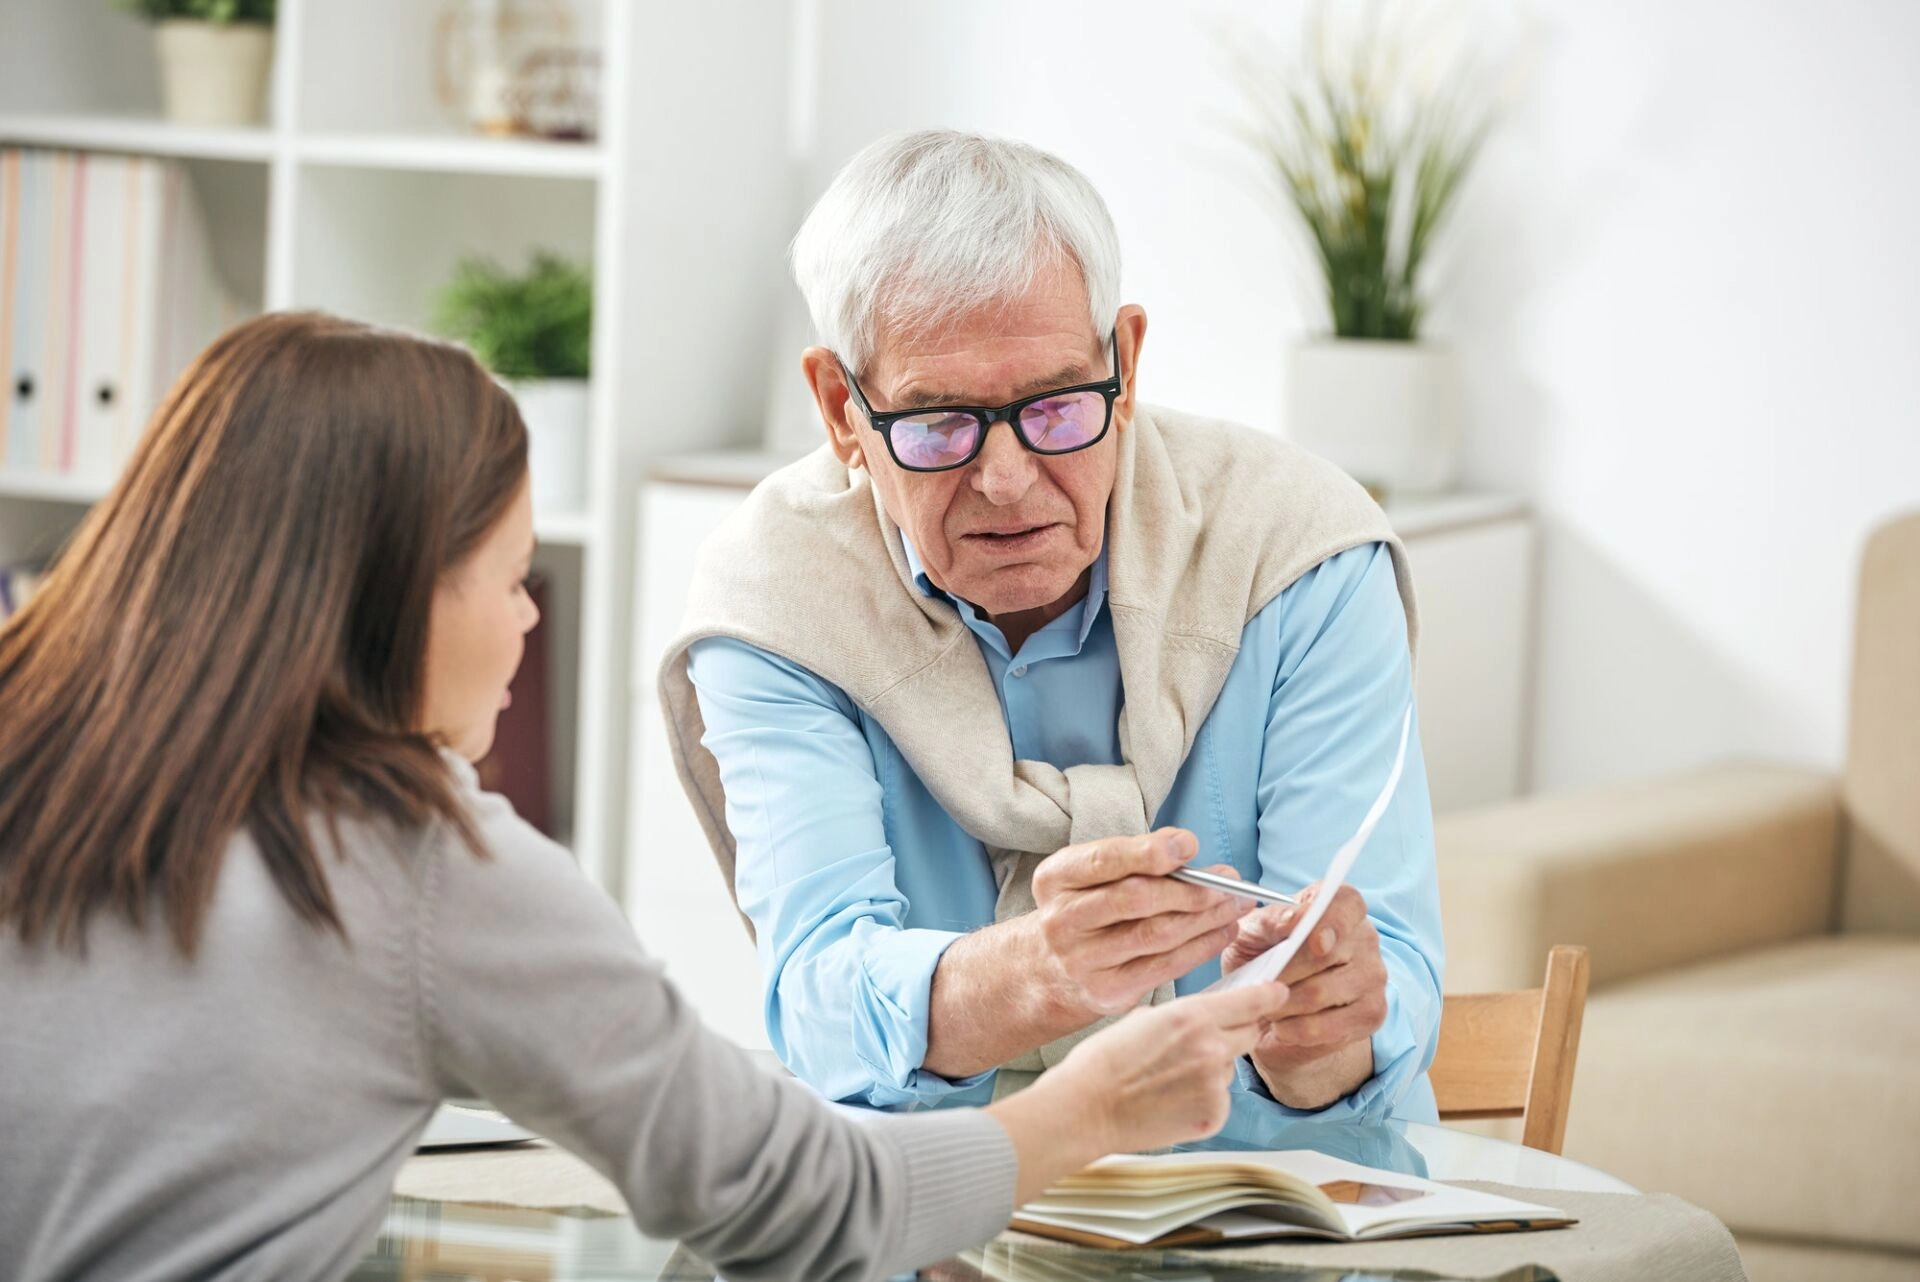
point(1159, 1076)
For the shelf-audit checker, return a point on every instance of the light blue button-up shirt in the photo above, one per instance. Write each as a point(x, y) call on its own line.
point(857, 881)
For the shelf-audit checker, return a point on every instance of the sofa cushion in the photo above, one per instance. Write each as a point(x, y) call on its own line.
point(1771, 1260)
point(1779, 1089)
point(1743, 854)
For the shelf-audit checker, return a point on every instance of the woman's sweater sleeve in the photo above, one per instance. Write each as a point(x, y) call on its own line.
point(531, 990)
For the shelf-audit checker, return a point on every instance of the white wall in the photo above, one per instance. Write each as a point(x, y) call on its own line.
point(1684, 290)
point(1693, 334)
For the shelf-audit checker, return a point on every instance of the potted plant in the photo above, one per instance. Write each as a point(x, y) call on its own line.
point(533, 330)
point(214, 57)
point(1368, 139)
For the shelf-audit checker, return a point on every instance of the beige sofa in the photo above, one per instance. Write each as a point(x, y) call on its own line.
point(1752, 1040)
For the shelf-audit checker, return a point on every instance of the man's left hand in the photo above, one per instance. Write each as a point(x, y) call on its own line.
point(1321, 1049)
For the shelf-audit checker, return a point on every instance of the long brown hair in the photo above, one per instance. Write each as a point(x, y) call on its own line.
point(236, 635)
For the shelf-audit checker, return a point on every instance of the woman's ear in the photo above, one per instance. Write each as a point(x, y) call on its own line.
point(821, 368)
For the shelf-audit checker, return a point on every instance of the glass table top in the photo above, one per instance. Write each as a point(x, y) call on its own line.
point(442, 1242)
point(424, 1241)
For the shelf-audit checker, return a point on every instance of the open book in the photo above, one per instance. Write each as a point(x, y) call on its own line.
point(1183, 1199)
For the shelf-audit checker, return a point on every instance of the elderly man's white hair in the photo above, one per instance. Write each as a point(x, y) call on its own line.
point(921, 226)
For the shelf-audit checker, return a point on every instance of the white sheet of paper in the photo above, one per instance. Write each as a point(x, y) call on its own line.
point(456, 1126)
point(1268, 965)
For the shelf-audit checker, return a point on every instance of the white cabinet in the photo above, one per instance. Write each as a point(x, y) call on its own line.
point(1472, 558)
point(673, 890)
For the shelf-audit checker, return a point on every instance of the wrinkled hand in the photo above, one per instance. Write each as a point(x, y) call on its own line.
point(1113, 926)
point(1161, 1075)
point(1339, 986)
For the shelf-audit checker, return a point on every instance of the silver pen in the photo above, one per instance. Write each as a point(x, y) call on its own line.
point(1251, 890)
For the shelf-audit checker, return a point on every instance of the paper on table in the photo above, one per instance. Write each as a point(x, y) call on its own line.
point(1268, 965)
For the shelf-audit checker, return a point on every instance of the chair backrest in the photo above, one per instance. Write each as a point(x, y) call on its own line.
point(1880, 890)
point(1512, 1054)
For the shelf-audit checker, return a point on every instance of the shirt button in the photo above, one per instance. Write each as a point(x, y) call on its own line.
point(1020, 671)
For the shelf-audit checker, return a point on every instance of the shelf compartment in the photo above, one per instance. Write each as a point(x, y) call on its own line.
point(379, 244)
point(416, 77)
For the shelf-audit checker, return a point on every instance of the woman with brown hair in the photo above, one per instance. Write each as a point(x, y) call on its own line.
point(256, 918)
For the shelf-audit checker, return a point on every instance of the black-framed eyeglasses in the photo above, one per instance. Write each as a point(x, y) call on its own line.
point(941, 437)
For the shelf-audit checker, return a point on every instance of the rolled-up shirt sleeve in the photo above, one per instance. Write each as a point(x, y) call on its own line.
point(1344, 678)
point(846, 984)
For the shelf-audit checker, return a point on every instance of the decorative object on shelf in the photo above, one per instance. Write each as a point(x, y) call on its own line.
point(513, 67)
point(107, 289)
point(535, 332)
point(215, 56)
point(1368, 140)
point(556, 95)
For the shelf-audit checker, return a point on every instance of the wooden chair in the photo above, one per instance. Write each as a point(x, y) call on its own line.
point(1512, 1054)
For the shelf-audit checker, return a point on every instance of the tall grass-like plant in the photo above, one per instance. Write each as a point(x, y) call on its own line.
point(260, 12)
point(536, 325)
point(1368, 139)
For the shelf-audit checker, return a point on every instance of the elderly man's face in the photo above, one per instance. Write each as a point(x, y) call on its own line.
point(1013, 532)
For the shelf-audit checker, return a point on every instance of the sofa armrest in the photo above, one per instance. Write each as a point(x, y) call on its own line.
point(1647, 876)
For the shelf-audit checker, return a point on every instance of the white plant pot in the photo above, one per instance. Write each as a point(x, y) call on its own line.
point(1387, 413)
point(213, 73)
point(555, 410)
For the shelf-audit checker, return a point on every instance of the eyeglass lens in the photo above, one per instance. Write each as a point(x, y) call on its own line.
point(1055, 425)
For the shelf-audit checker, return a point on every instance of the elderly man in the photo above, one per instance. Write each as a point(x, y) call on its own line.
point(959, 689)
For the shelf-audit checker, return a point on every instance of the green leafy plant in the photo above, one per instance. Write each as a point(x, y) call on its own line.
point(1368, 140)
point(220, 11)
point(536, 325)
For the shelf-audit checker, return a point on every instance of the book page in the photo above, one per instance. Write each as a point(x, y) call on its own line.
point(1299, 1192)
point(1267, 966)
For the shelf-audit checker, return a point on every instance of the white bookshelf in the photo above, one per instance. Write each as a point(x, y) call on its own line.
point(359, 195)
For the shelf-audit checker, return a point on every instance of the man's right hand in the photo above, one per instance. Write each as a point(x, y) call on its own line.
point(1113, 926)
point(1108, 927)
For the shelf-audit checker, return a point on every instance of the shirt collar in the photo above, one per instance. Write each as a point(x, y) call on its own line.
point(919, 572)
point(1088, 606)
point(462, 770)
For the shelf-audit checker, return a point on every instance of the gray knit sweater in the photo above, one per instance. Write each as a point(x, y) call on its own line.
point(242, 1114)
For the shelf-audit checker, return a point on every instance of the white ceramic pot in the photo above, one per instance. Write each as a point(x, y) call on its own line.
point(1387, 413)
point(555, 410)
point(213, 73)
